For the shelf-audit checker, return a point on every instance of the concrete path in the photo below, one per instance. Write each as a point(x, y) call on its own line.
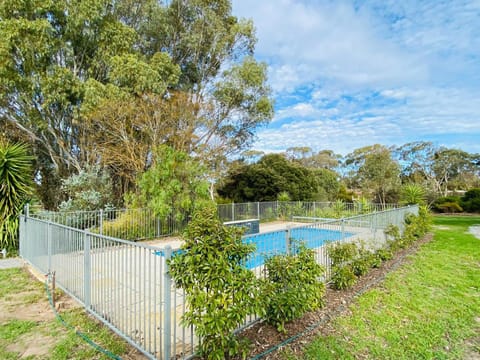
point(10, 263)
point(475, 231)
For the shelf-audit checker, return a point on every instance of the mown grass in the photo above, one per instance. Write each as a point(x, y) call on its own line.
point(19, 289)
point(427, 309)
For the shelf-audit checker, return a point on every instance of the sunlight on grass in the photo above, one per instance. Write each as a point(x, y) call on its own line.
point(426, 309)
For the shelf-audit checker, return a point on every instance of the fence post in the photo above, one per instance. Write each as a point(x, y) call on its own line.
point(22, 230)
point(49, 246)
point(101, 222)
point(258, 210)
point(233, 211)
point(167, 310)
point(288, 242)
point(342, 225)
point(87, 271)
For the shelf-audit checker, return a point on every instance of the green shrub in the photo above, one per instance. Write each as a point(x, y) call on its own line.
point(395, 241)
point(375, 261)
point(269, 215)
point(412, 194)
point(133, 224)
point(449, 207)
point(220, 291)
point(425, 219)
point(447, 204)
point(384, 254)
point(342, 252)
point(471, 200)
point(363, 206)
point(392, 232)
point(416, 226)
point(326, 213)
point(342, 256)
point(288, 209)
point(292, 286)
point(362, 264)
point(343, 277)
point(90, 189)
point(338, 208)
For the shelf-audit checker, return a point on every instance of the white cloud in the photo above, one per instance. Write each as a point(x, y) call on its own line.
point(424, 114)
point(376, 71)
point(307, 42)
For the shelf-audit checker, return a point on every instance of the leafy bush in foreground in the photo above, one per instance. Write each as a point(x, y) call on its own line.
point(292, 286)
point(220, 291)
point(342, 256)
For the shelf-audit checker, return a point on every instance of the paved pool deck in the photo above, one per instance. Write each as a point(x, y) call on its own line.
point(175, 242)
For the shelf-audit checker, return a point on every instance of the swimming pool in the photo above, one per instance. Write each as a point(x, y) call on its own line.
point(275, 243)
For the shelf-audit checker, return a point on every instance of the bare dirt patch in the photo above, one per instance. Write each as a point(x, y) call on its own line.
point(265, 338)
point(32, 344)
point(39, 311)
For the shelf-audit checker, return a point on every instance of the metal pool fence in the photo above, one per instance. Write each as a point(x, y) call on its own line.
point(127, 224)
point(285, 210)
point(367, 230)
point(142, 224)
point(126, 285)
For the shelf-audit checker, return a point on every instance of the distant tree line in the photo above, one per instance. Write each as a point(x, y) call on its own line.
point(379, 173)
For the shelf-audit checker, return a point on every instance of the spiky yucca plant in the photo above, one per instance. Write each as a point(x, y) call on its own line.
point(412, 194)
point(15, 187)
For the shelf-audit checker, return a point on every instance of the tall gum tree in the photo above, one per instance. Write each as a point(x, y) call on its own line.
point(67, 68)
point(374, 171)
point(438, 168)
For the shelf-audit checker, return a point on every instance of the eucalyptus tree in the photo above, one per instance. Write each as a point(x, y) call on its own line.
point(438, 168)
point(324, 159)
point(375, 172)
point(79, 79)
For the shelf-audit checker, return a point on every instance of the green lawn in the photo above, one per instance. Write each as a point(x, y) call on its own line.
point(427, 309)
point(29, 330)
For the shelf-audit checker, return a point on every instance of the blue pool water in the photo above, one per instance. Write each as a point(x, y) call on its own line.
point(275, 243)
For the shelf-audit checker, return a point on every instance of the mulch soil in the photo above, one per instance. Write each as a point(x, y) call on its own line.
point(265, 339)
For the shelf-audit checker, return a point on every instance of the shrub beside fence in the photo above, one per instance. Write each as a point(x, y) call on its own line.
point(126, 284)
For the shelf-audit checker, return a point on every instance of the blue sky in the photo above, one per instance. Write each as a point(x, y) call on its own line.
point(347, 74)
